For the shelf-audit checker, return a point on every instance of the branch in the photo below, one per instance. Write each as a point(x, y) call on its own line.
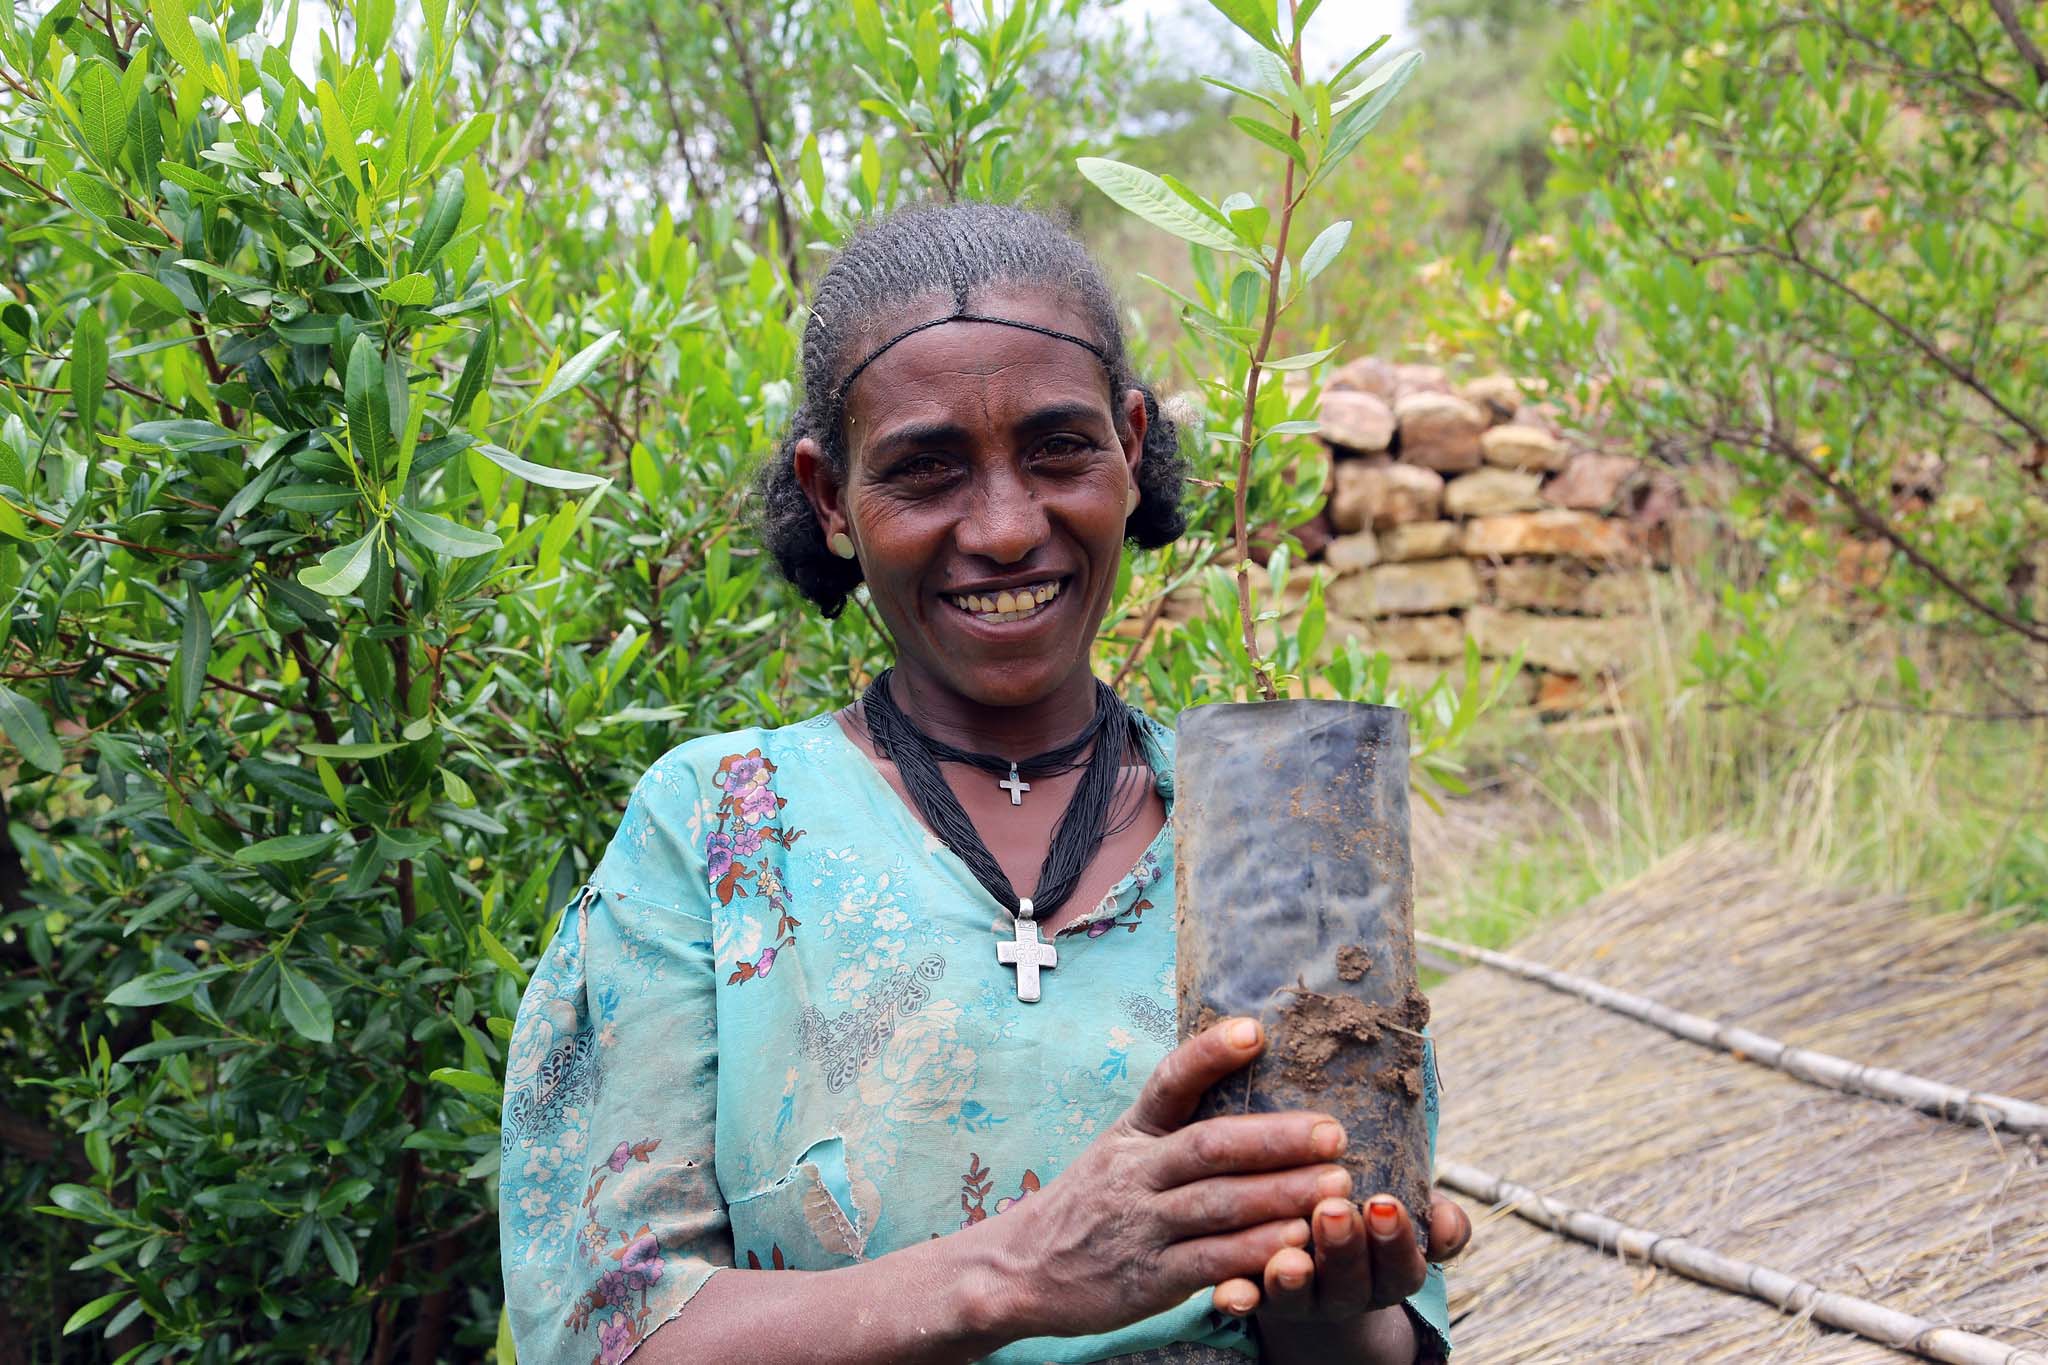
point(2009, 20)
point(746, 66)
point(1778, 445)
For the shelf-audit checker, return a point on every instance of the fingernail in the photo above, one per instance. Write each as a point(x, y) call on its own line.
point(1294, 1279)
point(1242, 1304)
point(1244, 1033)
point(1296, 1233)
point(1333, 1184)
point(1384, 1217)
point(1336, 1228)
point(1327, 1138)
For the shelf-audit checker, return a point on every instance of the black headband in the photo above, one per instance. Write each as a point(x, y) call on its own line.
point(959, 314)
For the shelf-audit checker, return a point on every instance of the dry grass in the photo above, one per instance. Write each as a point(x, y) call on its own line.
point(1934, 1219)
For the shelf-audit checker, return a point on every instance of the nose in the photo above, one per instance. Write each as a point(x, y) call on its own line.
point(1005, 522)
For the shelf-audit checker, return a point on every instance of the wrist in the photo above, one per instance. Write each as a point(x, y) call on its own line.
point(992, 1288)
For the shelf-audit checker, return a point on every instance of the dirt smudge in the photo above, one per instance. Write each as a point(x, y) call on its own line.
point(1353, 962)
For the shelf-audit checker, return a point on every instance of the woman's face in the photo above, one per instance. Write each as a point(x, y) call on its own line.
point(985, 494)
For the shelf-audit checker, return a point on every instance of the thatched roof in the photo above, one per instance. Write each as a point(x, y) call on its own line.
point(1930, 1217)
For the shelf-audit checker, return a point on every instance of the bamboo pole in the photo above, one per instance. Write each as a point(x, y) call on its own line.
point(1873, 1321)
point(1818, 1068)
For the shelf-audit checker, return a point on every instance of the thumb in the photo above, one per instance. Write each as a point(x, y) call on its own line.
point(1177, 1083)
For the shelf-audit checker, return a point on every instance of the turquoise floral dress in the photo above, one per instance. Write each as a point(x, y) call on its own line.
point(771, 1031)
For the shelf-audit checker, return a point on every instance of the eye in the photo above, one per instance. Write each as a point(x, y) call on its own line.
point(921, 469)
point(1066, 447)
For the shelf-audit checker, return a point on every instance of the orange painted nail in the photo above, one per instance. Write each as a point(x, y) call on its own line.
point(1384, 1217)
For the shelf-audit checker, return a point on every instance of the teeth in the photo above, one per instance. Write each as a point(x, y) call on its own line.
point(1012, 605)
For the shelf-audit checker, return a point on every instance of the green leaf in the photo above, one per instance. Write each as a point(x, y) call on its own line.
point(29, 729)
point(98, 1308)
point(1146, 195)
point(341, 139)
point(369, 405)
point(467, 1081)
point(287, 848)
point(305, 1004)
point(1358, 120)
point(437, 224)
point(161, 987)
point(1302, 361)
point(476, 373)
point(341, 570)
point(341, 1252)
point(500, 954)
point(446, 537)
point(368, 748)
point(1261, 131)
point(409, 291)
point(577, 369)
point(102, 112)
point(195, 652)
point(1325, 249)
point(1255, 18)
point(330, 782)
point(88, 366)
point(173, 28)
point(540, 474)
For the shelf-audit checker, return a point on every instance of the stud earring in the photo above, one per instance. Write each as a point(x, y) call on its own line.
point(1131, 500)
point(842, 544)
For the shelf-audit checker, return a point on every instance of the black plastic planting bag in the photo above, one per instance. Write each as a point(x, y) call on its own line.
point(1296, 907)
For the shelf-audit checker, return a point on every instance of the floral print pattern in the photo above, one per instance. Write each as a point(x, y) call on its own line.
point(687, 1091)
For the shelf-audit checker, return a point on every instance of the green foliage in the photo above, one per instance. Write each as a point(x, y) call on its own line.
point(1809, 244)
point(377, 407)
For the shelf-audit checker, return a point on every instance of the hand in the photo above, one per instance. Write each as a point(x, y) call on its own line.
point(1364, 1258)
point(1157, 1208)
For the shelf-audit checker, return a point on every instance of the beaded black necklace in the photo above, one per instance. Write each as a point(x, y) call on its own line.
point(1086, 822)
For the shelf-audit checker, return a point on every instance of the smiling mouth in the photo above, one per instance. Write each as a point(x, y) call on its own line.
point(1014, 604)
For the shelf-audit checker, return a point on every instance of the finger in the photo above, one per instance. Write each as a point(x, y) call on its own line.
point(1176, 1084)
point(1290, 1284)
point(1397, 1265)
point(1237, 1297)
point(1450, 1229)
point(1204, 1261)
point(1344, 1270)
point(1232, 1144)
point(1226, 1202)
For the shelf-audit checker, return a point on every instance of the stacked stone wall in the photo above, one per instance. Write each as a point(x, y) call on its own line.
point(1464, 511)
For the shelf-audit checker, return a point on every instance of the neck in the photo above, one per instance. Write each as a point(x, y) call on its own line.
point(1019, 731)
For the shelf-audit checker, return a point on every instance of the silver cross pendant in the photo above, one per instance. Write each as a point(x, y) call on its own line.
point(1016, 787)
point(1027, 954)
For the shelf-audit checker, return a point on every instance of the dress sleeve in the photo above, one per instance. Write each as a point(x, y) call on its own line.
point(610, 1213)
point(1429, 1307)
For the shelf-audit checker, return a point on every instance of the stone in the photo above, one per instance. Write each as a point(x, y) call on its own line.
point(1592, 481)
point(1561, 692)
point(1560, 585)
point(1419, 379)
point(1357, 422)
point(1555, 531)
point(1491, 492)
point(1541, 416)
point(1497, 395)
point(1515, 446)
point(1367, 374)
point(1313, 534)
point(1577, 645)
point(1349, 554)
point(1419, 540)
point(1540, 585)
point(1405, 637)
point(1376, 493)
point(1439, 431)
point(1416, 588)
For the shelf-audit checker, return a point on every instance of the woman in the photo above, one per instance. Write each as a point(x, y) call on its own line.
point(842, 999)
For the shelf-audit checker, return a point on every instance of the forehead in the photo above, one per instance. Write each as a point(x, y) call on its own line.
point(964, 369)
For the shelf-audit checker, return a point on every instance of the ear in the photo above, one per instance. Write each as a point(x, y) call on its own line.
point(1132, 434)
point(825, 493)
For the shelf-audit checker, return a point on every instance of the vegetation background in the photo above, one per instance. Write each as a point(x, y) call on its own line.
point(379, 388)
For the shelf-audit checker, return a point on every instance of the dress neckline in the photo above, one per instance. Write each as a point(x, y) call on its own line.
point(910, 832)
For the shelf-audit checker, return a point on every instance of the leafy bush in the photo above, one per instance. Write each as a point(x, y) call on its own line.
point(1809, 244)
point(373, 443)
